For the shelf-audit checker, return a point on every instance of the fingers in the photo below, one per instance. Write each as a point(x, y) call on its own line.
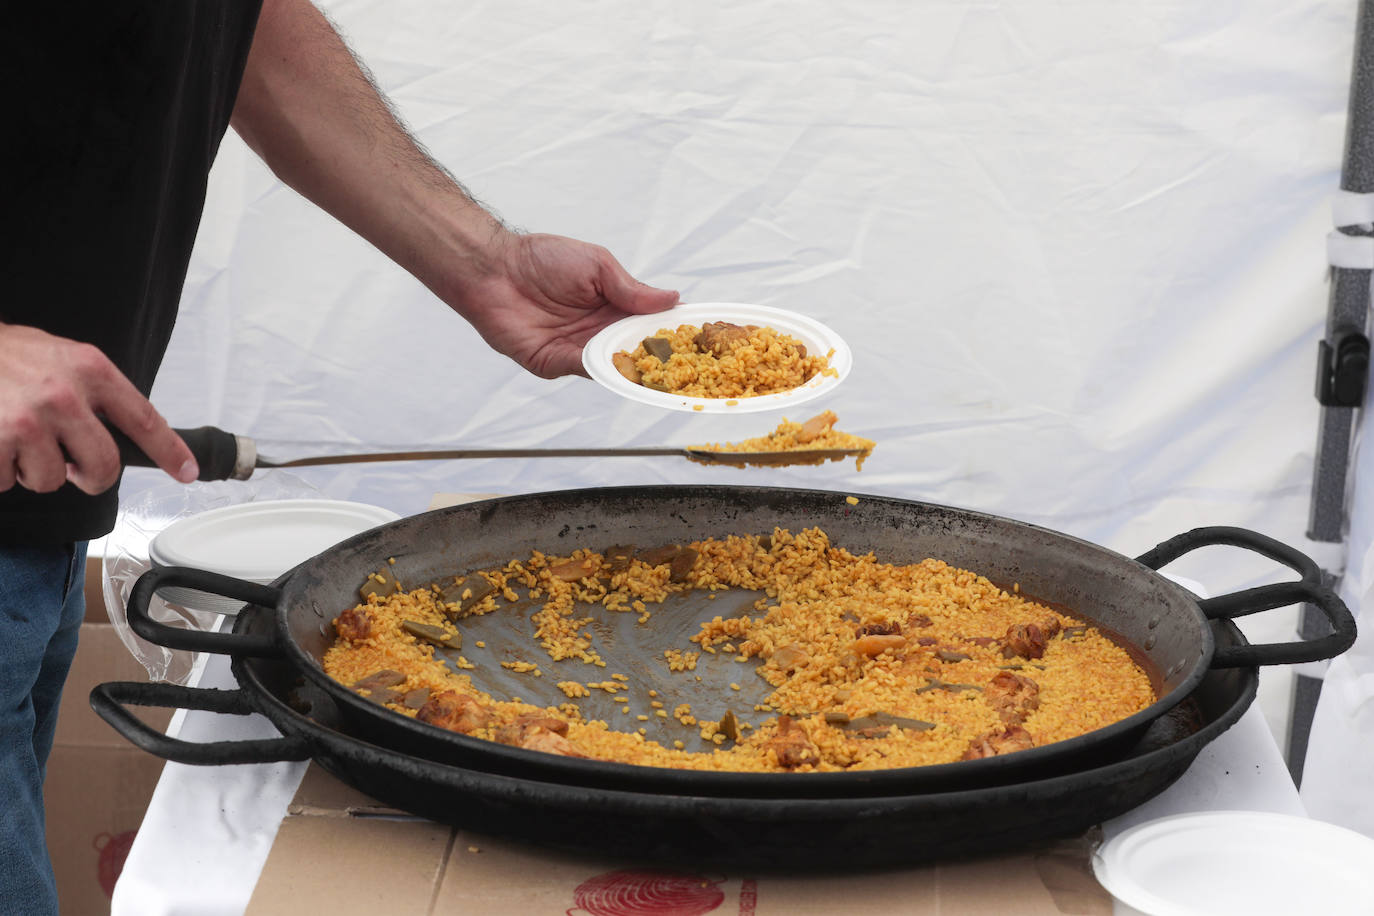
point(628, 294)
point(125, 407)
point(40, 466)
point(564, 358)
point(53, 393)
point(92, 457)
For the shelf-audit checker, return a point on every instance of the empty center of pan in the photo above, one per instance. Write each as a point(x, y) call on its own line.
point(638, 690)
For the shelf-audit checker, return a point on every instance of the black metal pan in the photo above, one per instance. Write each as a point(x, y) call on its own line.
point(741, 833)
point(1163, 623)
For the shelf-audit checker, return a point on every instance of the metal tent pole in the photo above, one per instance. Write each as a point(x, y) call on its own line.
point(1342, 370)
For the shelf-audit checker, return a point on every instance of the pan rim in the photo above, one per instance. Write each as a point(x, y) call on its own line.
point(743, 783)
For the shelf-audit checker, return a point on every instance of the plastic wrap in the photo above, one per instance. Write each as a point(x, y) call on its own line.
point(140, 519)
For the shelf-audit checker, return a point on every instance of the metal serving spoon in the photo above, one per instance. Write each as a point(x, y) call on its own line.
point(226, 456)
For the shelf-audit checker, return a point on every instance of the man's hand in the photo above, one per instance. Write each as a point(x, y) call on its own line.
point(546, 296)
point(53, 394)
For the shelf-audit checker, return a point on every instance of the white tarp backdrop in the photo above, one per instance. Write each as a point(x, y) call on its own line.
point(1077, 248)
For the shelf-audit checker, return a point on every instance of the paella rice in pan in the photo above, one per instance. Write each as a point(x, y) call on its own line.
point(859, 664)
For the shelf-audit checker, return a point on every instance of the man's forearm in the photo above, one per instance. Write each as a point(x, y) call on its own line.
point(312, 113)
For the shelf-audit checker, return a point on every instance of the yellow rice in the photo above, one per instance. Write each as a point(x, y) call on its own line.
point(818, 597)
point(797, 439)
point(767, 362)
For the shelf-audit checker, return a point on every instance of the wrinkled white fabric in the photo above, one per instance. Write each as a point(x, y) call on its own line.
point(1078, 249)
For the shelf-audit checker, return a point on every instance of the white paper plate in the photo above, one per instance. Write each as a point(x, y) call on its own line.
point(257, 541)
point(628, 332)
point(1238, 862)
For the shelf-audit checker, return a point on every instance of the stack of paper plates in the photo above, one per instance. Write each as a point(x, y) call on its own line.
point(256, 541)
point(1248, 863)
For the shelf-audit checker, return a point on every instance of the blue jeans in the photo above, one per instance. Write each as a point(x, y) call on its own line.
point(41, 607)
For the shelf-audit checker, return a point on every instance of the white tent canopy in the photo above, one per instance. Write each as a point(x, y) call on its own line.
point(1078, 249)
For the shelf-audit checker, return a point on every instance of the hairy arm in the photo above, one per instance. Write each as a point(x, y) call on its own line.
point(313, 114)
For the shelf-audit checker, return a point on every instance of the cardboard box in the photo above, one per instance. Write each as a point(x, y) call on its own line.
point(348, 854)
point(98, 784)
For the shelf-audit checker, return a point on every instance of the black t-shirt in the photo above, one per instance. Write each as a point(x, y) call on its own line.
point(116, 111)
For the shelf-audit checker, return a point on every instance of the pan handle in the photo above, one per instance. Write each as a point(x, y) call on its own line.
point(1309, 589)
point(142, 623)
point(110, 701)
point(220, 455)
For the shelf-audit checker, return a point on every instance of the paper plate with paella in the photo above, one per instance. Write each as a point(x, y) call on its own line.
point(718, 357)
